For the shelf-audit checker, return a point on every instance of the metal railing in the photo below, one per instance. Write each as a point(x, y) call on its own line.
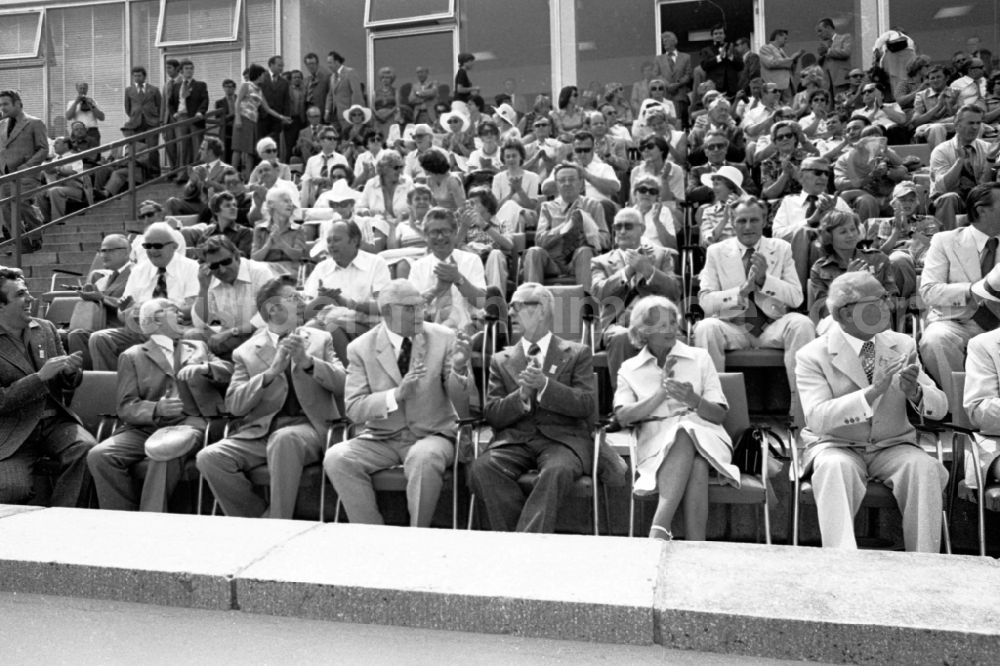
point(145, 144)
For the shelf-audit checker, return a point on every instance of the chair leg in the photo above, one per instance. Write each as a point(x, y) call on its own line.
point(795, 513)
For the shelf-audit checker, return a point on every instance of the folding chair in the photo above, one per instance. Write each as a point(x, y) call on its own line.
point(962, 434)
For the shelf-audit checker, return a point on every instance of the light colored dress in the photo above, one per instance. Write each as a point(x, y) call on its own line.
point(638, 379)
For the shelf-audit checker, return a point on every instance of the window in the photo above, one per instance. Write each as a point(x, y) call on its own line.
point(939, 30)
point(186, 22)
point(20, 35)
point(398, 12)
point(399, 49)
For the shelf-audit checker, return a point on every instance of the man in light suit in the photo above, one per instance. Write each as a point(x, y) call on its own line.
point(166, 389)
point(287, 382)
point(408, 381)
point(310, 136)
point(834, 54)
point(23, 144)
point(622, 276)
point(317, 83)
point(143, 108)
point(675, 69)
point(204, 180)
point(954, 261)
point(776, 66)
point(423, 95)
point(982, 400)
point(345, 89)
point(36, 378)
point(541, 404)
point(857, 369)
point(192, 102)
point(748, 286)
point(105, 289)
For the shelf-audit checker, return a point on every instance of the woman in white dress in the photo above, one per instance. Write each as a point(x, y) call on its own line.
point(671, 395)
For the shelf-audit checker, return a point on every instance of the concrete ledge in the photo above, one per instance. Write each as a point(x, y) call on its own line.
point(769, 601)
point(571, 587)
point(14, 509)
point(163, 559)
point(809, 603)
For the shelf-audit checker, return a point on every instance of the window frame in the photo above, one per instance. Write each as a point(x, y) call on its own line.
point(406, 32)
point(36, 50)
point(233, 37)
point(448, 15)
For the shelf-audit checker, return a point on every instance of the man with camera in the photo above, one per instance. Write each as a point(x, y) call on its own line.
point(84, 109)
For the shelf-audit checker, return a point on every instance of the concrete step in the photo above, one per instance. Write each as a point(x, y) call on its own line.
point(78, 257)
point(51, 246)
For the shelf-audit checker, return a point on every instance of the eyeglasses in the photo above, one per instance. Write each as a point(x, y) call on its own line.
point(454, 121)
point(105, 250)
point(489, 133)
point(657, 88)
point(267, 151)
point(782, 137)
point(715, 146)
point(156, 246)
point(644, 189)
point(816, 172)
point(820, 99)
point(216, 265)
point(395, 167)
point(582, 151)
point(441, 233)
point(329, 137)
point(856, 76)
point(623, 226)
point(875, 300)
point(521, 305)
point(147, 216)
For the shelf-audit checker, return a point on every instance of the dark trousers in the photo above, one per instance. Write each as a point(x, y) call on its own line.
point(68, 443)
point(494, 480)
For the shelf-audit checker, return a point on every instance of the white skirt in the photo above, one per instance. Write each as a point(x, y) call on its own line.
point(655, 438)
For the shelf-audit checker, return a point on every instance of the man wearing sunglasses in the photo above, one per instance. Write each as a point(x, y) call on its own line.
point(227, 288)
point(165, 274)
point(716, 146)
point(599, 179)
point(316, 175)
point(622, 276)
point(149, 212)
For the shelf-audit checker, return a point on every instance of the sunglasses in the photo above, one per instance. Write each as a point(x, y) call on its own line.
point(582, 151)
point(105, 250)
point(215, 265)
point(623, 226)
point(857, 76)
point(715, 146)
point(328, 138)
point(454, 121)
point(268, 150)
point(156, 246)
point(783, 137)
point(146, 216)
point(643, 189)
point(657, 88)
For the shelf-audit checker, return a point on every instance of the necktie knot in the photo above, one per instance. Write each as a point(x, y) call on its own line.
point(868, 359)
point(534, 349)
point(160, 289)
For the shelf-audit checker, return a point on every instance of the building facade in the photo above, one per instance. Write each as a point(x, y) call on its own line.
point(534, 46)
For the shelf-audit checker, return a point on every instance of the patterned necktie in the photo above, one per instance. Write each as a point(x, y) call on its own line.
point(984, 316)
point(403, 362)
point(811, 202)
point(868, 359)
point(160, 290)
point(754, 318)
point(325, 171)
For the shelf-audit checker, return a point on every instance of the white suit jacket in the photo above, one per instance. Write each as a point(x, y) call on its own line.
point(831, 383)
point(951, 265)
point(723, 275)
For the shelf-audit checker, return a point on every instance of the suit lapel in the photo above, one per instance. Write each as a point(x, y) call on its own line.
point(159, 358)
point(734, 263)
point(10, 352)
point(555, 358)
point(17, 128)
point(265, 351)
point(187, 351)
point(386, 355)
point(843, 358)
point(968, 255)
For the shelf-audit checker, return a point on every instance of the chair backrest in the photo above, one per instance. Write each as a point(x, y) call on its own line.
point(60, 310)
point(738, 416)
point(957, 401)
point(96, 395)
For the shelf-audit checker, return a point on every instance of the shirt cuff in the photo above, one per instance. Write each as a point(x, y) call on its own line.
point(542, 392)
point(390, 401)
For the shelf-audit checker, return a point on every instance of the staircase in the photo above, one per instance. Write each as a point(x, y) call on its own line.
point(73, 246)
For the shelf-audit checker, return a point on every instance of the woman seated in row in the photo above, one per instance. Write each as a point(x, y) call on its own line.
point(278, 241)
point(671, 395)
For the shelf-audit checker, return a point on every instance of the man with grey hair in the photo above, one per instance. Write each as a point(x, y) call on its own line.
point(620, 277)
point(166, 389)
point(104, 291)
point(165, 274)
point(541, 403)
point(843, 377)
point(408, 382)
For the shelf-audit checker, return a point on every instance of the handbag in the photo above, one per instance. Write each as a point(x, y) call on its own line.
point(747, 454)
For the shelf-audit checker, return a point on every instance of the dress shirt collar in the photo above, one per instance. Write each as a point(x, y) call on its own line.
point(679, 350)
point(396, 340)
point(243, 275)
point(743, 248)
point(164, 343)
point(361, 261)
point(856, 343)
point(212, 165)
point(979, 237)
point(543, 345)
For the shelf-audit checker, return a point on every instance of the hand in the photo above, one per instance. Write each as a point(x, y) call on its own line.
point(639, 263)
point(295, 347)
point(462, 353)
point(882, 378)
point(278, 364)
point(682, 392)
point(667, 372)
point(758, 262)
point(751, 282)
point(125, 302)
point(91, 293)
point(787, 168)
point(332, 294)
point(204, 276)
point(825, 204)
point(908, 382)
point(410, 384)
point(857, 264)
point(168, 408)
point(189, 372)
point(220, 338)
point(447, 272)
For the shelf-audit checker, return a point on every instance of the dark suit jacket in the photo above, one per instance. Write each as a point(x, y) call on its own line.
point(567, 407)
point(725, 73)
point(24, 147)
point(677, 73)
point(197, 101)
point(276, 92)
point(23, 395)
point(616, 295)
point(145, 373)
point(143, 110)
point(171, 90)
point(228, 114)
point(317, 88)
point(114, 290)
point(751, 69)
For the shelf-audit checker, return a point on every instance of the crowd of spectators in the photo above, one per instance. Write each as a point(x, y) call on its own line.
point(345, 252)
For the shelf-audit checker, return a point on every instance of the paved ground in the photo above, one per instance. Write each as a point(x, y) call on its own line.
point(49, 630)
